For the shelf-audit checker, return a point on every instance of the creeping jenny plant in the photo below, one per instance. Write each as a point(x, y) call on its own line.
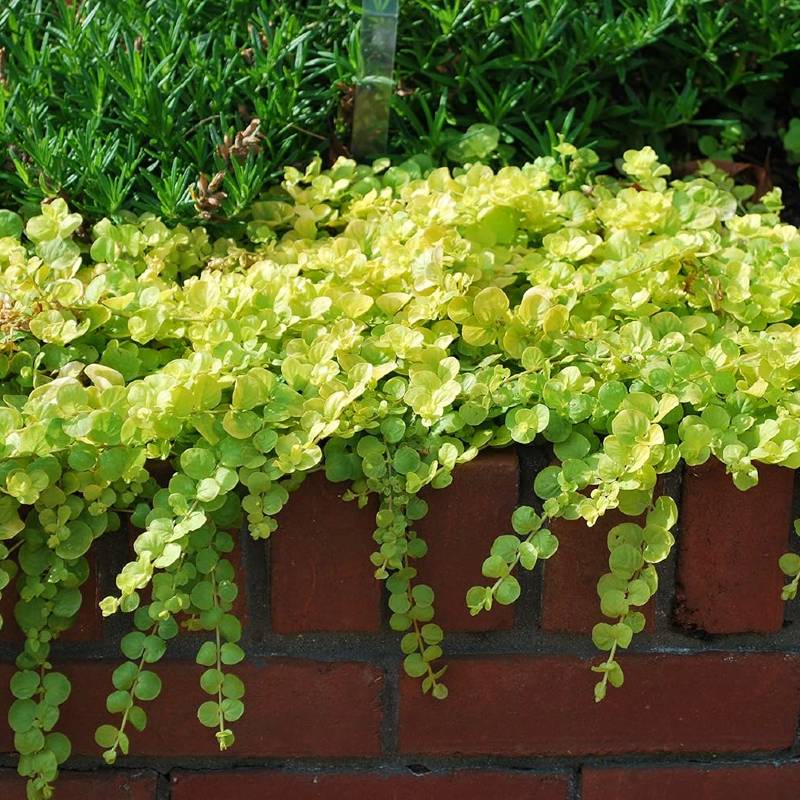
point(385, 324)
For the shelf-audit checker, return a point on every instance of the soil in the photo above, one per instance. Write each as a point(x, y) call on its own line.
point(769, 153)
point(785, 175)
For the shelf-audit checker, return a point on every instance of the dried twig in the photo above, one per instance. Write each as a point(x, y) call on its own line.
point(11, 323)
point(3, 62)
point(207, 195)
point(248, 53)
point(243, 143)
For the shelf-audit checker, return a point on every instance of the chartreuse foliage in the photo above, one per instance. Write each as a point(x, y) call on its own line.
point(384, 324)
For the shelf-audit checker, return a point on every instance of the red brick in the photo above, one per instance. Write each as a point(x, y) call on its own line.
point(569, 588)
point(88, 625)
point(461, 785)
point(728, 550)
point(321, 576)
point(462, 522)
point(101, 785)
point(292, 708)
point(715, 702)
point(769, 782)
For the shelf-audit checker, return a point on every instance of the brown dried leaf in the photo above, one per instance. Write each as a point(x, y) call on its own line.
point(243, 143)
point(207, 195)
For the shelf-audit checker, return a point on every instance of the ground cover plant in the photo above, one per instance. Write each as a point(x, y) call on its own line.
point(125, 105)
point(686, 77)
point(383, 324)
point(122, 105)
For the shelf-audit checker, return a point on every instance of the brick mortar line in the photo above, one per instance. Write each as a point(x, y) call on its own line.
point(256, 558)
point(531, 460)
point(411, 763)
point(378, 648)
point(576, 784)
point(665, 599)
point(390, 707)
point(112, 558)
point(163, 787)
point(84, 766)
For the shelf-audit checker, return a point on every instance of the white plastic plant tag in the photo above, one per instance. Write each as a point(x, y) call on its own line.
point(376, 82)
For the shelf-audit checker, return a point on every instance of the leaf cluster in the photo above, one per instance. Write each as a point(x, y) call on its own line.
point(383, 323)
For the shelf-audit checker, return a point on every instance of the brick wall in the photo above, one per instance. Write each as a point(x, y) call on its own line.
point(709, 709)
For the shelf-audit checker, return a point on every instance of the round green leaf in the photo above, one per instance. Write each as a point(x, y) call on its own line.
point(24, 684)
point(21, 715)
point(198, 463)
point(10, 224)
point(414, 665)
point(148, 686)
point(106, 736)
point(211, 681)
point(232, 687)
point(406, 460)
point(232, 710)
point(57, 688)
point(231, 654)
point(508, 591)
point(209, 713)
point(118, 702)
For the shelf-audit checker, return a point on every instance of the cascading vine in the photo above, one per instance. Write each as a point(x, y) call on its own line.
point(385, 324)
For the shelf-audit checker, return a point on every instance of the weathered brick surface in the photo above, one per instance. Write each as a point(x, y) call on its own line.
point(728, 549)
point(459, 785)
point(570, 603)
point(329, 714)
point(462, 522)
point(105, 785)
point(321, 578)
point(693, 783)
point(293, 708)
point(543, 706)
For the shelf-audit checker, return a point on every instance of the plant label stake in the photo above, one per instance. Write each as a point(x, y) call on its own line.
point(375, 85)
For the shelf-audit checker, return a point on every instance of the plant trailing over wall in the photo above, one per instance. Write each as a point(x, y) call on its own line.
point(385, 324)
